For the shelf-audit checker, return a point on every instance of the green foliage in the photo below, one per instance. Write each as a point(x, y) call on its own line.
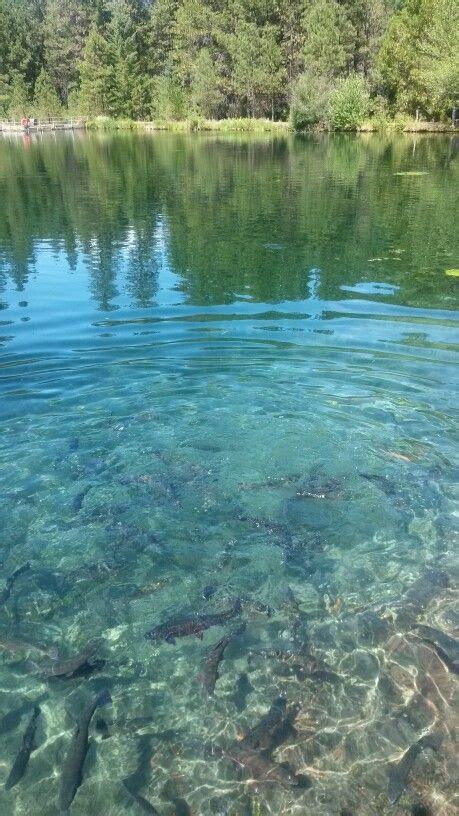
point(419, 57)
point(328, 46)
point(257, 72)
point(126, 37)
point(108, 123)
point(240, 125)
point(198, 59)
point(309, 102)
point(206, 86)
point(349, 103)
point(65, 28)
point(19, 102)
point(438, 70)
point(5, 91)
point(97, 77)
point(46, 103)
point(169, 99)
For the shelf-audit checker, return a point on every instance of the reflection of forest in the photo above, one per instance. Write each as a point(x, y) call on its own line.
point(243, 216)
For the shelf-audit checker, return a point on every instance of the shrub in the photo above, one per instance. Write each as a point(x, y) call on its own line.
point(349, 103)
point(309, 103)
point(401, 121)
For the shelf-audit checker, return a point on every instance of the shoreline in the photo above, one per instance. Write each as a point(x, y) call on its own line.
point(230, 126)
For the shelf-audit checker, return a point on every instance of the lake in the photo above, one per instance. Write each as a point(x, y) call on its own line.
point(229, 407)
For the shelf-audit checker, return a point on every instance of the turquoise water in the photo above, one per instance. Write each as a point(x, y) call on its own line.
point(228, 371)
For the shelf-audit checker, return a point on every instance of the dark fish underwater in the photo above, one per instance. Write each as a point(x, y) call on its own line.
point(10, 581)
point(399, 772)
point(210, 672)
point(28, 745)
point(72, 772)
point(191, 625)
point(85, 659)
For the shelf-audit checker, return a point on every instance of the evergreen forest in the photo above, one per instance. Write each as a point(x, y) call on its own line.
point(330, 62)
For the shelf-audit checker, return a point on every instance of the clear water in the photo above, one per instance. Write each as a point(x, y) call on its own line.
point(205, 343)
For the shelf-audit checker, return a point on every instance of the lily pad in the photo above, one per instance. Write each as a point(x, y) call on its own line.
point(454, 273)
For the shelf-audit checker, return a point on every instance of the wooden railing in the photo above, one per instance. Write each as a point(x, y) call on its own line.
point(35, 124)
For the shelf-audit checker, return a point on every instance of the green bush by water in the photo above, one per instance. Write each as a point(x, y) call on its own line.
point(240, 125)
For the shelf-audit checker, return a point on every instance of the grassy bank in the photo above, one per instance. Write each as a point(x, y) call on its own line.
point(193, 124)
point(404, 124)
point(399, 124)
point(223, 125)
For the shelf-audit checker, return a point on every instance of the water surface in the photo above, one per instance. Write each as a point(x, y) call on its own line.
point(228, 370)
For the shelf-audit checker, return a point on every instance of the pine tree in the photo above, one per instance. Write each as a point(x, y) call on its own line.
point(206, 96)
point(271, 71)
point(5, 92)
point(195, 56)
point(97, 77)
point(66, 26)
point(243, 51)
point(293, 35)
point(46, 103)
point(160, 35)
point(19, 103)
point(127, 34)
point(329, 35)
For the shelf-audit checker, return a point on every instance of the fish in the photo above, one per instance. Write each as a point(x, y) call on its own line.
point(384, 483)
point(257, 765)
point(402, 457)
point(271, 527)
point(143, 803)
point(399, 772)
point(209, 591)
point(419, 809)
point(210, 673)
point(101, 725)
point(424, 590)
point(243, 689)
point(446, 646)
point(72, 772)
point(84, 660)
point(20, 645)
point(303, 666)
point(148, 589)
point(78, 500)
point(260, 735)
point(12, 718)
point(281, 482)
point(28, 745)
point(9, 583)
point(333, 605)
point(191, 625)
point(316, 486)
point(257, 607)
point(181, 807)
point(285, 730)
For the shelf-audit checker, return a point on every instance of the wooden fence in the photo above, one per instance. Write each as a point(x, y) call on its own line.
point(40, 125)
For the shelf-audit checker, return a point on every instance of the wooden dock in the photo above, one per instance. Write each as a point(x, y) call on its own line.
point(39, 126)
